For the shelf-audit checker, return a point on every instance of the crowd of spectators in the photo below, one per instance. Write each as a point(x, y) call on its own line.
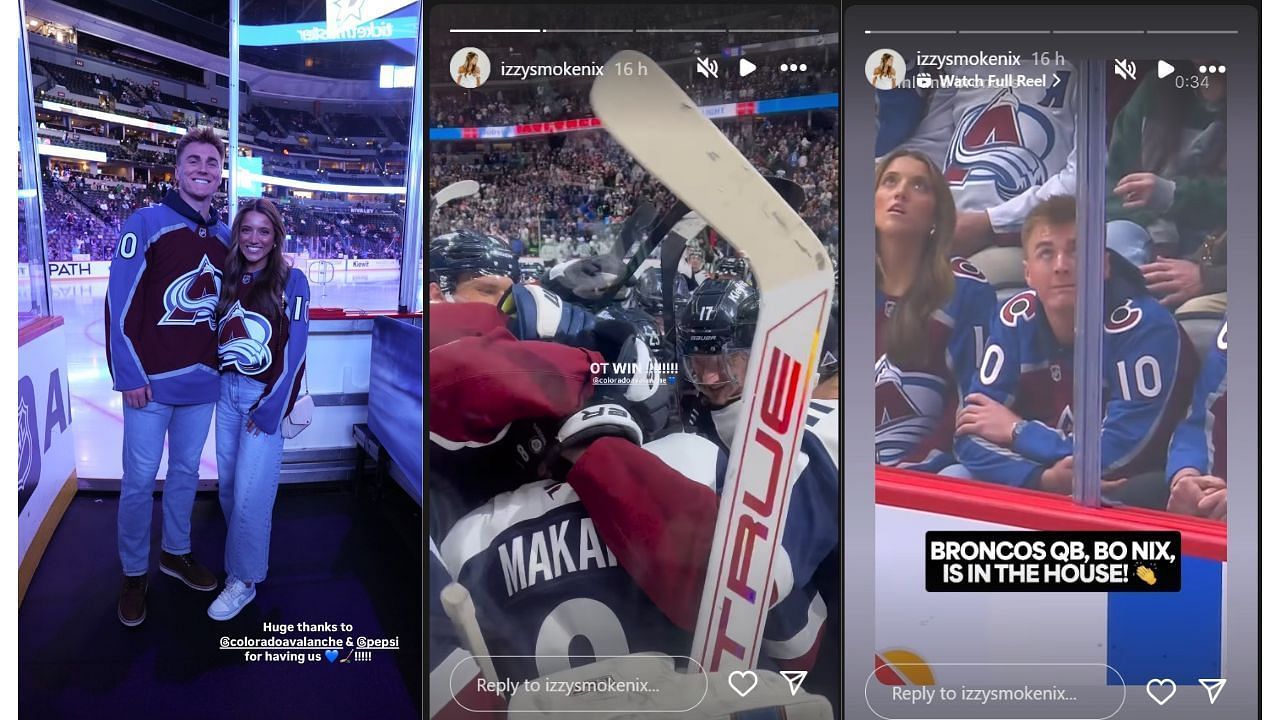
point(84, 214)
point(125, 97)
point(581, 185)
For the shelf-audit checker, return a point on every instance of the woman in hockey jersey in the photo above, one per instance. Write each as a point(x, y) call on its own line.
point(931, 314)
point(262, 343)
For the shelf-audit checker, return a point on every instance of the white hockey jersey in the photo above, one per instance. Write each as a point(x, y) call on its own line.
point(1004, 150)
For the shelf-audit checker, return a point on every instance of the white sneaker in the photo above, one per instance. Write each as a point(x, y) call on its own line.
point(232, 599)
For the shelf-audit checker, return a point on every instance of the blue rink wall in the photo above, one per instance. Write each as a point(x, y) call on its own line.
point(395, 397)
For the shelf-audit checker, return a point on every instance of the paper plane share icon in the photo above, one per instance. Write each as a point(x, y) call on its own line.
point(794, 678)
point(1213, 686)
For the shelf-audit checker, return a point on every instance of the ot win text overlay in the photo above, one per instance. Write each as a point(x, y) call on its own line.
point(975, 561)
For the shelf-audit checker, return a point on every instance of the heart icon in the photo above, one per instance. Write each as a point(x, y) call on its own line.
point(1156, 688)
point(743, 681)
point(330, 655)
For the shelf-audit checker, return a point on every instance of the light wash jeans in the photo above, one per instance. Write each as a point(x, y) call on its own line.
point(144, 432)
point(248, 475)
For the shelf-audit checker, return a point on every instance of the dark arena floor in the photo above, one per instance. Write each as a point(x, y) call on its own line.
point(336, 557)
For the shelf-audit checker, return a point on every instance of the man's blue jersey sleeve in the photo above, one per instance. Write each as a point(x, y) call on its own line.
point(270, 410)
point(1140, 369)
point(972, 310)
point(123, 287)
point(1192, 443)
point(997, 377)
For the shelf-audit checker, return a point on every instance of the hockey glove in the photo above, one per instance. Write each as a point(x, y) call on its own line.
point(538, 314)
point(588, 281)
point(635, 381)
point(585, 427)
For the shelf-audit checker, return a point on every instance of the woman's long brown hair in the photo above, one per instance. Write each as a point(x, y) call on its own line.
point(886, 66)
point(471, 65)
point(268, 290)
point(906, 338)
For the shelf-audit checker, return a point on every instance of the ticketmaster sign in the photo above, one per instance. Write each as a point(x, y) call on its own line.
point(392, 28)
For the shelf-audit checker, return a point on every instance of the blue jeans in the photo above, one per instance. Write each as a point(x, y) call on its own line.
point(144, 432)
point(248, 475)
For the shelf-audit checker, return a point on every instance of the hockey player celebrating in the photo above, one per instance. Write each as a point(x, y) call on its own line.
point(733, 268)
point(930, 310)
point(477, 397)
point(1016, 425)
point(468, 266)
point(544, 583)
point(714, 337)
point(647, 295)
point(693, 271)
point(714, 348)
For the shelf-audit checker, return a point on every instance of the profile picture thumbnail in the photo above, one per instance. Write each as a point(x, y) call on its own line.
point(885, 69)
point(470, 67)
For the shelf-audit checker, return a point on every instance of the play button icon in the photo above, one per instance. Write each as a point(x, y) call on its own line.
point(745, 67)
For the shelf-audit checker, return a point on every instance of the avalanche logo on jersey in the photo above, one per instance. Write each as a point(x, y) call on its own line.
point(1019, 307)
point(1123, 318)
point(193, 297)
point(1066, 421)
point(244, 339)
point(1005, 142)
point(908, 405)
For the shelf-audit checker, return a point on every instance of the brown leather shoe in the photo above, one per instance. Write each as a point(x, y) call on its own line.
point(185, 568)
point(132, 609)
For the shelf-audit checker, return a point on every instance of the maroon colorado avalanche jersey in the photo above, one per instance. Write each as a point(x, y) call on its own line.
point(272, 352)
point(161, 298)
point(916, 407)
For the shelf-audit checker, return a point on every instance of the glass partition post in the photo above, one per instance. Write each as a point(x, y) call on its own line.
point(30, 200)
point(411, 258)
point(233, 111)
point(1091, 153)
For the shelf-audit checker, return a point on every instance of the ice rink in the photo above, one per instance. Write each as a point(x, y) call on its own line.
point(97, 419)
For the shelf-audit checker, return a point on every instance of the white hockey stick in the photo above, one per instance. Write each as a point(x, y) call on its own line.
point(655, 121)
point(458, 606)
point(456, 191)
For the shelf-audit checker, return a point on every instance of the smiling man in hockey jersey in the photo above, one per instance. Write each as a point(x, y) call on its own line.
point(1016, 425)
point(162, 350)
